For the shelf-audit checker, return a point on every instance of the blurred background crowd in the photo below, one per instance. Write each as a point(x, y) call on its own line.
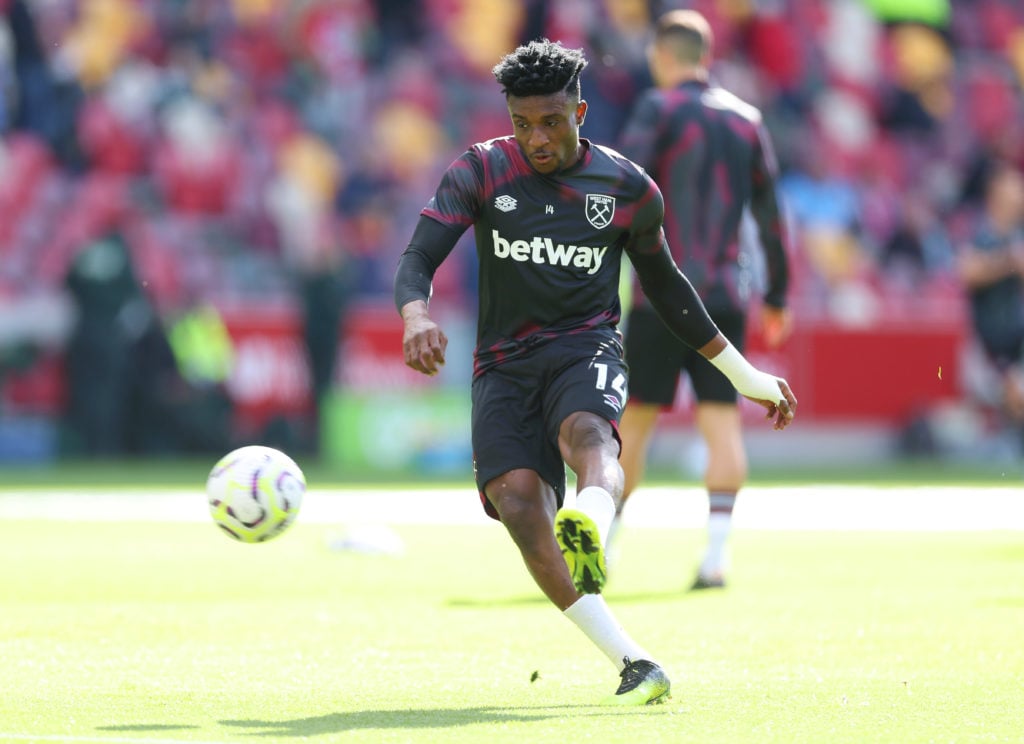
point(172, 169)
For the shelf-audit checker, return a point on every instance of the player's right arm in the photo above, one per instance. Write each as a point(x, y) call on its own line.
point(423, 341)
point(450, 211)
point(775, 317)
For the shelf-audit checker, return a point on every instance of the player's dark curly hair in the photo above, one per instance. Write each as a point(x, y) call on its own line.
point(540, 68)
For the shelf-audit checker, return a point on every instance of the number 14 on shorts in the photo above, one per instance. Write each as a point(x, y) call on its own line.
point(618, 385)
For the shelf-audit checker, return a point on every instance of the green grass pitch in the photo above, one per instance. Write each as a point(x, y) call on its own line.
point(149, 632)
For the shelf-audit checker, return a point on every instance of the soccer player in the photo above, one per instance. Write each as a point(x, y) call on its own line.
point(552, 215)
point(991, 267)
point(711, 155)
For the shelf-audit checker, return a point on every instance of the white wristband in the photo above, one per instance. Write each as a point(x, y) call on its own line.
point(745, 377)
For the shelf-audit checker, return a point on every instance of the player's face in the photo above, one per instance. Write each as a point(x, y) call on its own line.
point(547, 129)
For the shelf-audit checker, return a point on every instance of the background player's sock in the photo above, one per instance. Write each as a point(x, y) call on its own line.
point(613, 536)
point(597, 504)
point(721, 504)
point(592, 616)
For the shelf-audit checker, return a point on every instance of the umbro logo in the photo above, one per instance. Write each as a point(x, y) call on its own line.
point(505, 203)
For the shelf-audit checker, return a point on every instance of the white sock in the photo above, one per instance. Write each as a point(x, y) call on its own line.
point(597, 504)
point(611, 543)
point(613, 531)
point(592, 616)
point(719, 527)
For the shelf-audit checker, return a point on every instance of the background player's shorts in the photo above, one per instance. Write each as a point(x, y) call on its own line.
point(519, 405)
point(1002, 343)
point(656, 358)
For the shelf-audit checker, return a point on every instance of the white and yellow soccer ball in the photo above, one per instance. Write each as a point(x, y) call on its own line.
point(255, 493)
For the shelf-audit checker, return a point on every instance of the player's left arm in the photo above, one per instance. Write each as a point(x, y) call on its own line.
point(681, 309)
point(764, 208)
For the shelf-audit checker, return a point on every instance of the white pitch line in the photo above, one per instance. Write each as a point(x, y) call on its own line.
point(821, 507)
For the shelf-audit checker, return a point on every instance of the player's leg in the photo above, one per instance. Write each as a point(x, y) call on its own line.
point(588, 445)
point(719, 425)
point(635, 430)
point(526, 506)
point(654, 358)
point(520, 470)
point(582, 405)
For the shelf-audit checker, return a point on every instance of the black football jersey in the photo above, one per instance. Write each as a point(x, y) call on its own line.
point(711, 155)
point(549, 246)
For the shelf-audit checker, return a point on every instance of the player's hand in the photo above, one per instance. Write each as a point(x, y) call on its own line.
point(424, 344)
point(782, 410)
point(776, 325)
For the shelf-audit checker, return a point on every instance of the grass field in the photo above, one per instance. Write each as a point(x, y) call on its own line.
point(145, 631)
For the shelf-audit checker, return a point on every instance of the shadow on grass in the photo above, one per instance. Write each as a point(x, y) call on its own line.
point(146, 727)
point(427, 718)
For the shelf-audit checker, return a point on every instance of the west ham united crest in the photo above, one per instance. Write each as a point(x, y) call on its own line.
point(600, 210)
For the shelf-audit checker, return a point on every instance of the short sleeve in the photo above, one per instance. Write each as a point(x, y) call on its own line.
point(456, 203)
point(647, 234)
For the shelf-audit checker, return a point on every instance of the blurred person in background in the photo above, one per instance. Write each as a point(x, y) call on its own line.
point(300, 200)
point(199, 404)
point(919, 247)
point(114, 369)
point(46, 96)
point(135, 387)
point(711, 155)
point(991, 268)
point(549, 377)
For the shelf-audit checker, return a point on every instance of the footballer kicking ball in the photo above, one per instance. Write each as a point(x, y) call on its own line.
point(255, 493)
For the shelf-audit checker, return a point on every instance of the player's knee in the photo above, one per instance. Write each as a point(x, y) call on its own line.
point(529, 526)
point(518, 496)
point(512, 507)
point(587, 431)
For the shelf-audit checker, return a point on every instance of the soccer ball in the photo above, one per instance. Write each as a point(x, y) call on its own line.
point(255, 493)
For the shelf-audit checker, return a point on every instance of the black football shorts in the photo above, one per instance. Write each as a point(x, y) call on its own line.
point(519, 405)
point(656, 358)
